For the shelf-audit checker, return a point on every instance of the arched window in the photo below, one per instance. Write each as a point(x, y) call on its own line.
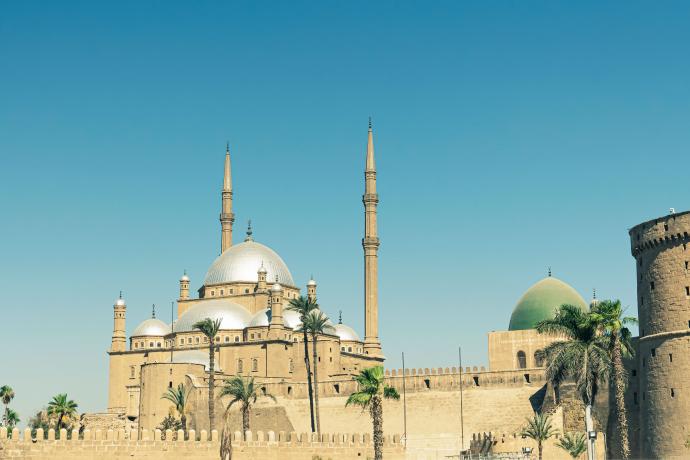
point(227, 339)
point(255, 365)
point(521, 360)
point(291, 366)
point(237, 339)
point(538, 359)
point(239, 366)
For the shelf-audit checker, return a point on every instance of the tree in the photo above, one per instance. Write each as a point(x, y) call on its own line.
point(315, 323)
point(210, 329)
point(11, 419)
point(608, 316)
point(573, 443)
point(304, 305)
point(178, 396)
point(6, 394)
point(62, 408)
point(372, 391)
point(243, 392)
point(170, 423)
point(582, 355)
point(539, 428)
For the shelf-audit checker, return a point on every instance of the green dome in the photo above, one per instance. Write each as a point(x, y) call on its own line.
point(541, 301)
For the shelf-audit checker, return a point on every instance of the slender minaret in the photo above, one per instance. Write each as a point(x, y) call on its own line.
point(119, 340)
point(311, 289)
point(370, 243)
point(276, 324)
point(226, 215)
point(184, 286)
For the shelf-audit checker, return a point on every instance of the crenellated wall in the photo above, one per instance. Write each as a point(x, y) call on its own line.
point(116, 444)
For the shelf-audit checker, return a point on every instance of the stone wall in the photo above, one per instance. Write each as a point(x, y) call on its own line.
point(112, 445)
point(484, 443)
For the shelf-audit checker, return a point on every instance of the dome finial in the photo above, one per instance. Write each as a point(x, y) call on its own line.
point(227, 146)
point(249, 231)
point(549, 271)
point(369, 122)
point(594, 293)
point(153, 311)
point(340, 317)
point(120, 293)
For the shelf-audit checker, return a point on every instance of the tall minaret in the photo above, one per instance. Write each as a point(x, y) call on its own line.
point(370, 243)
point(226, 215)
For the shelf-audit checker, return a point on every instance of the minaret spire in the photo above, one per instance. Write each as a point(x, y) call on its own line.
point(226, 216)
point(370, 243)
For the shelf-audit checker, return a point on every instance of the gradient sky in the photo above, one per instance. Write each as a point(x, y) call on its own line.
point(510, 136)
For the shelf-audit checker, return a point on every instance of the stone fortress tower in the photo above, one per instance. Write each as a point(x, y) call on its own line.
point(660, 247)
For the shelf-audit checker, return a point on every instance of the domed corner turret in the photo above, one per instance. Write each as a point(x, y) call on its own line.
point(184, 286)
point(311, 289)
point(541, 301)
point(262, 275)
point(276, 287)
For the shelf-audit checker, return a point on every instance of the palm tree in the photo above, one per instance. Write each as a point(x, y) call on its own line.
point(210, 329)
point(573, 443)
point(608, 315)
point(583, 356)
point(372, 391)
point(61, 407)
point(178, 396)
point(539, 428)
point(11, 418)
point(6, 394)
point(314, 323)
point(304, 305)
point(243, 392)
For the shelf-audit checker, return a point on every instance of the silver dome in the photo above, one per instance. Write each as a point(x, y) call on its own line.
point(194, 357)
point(263, 318)
point(346, 333)
point(242, 262)
point(233, 316)
point(151, 327)
point(311, 282)
point(120, 301)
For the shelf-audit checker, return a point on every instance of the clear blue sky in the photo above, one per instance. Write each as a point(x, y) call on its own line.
point(510, 136)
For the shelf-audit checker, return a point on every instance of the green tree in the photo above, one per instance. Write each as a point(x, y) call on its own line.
point(61, 407)
point(581, 355)
point(170, 422)
point(243, 392)
point(210, 329)
point(6, 394)
point(608, 316)
point(178, 396)
point(303, 306)
point(573, 443)
point(314, 323)
point(11, 419)
point(539, 428)
point(371, 393)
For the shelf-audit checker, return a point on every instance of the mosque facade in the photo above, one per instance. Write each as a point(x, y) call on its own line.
point(248, 288)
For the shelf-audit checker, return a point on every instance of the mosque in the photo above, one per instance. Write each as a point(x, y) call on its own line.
point(248, 287)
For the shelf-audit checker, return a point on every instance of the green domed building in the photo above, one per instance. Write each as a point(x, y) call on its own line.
point(540, 302)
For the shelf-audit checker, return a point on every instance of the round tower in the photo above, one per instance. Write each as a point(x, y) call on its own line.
point(660, 248)
point(311, 289)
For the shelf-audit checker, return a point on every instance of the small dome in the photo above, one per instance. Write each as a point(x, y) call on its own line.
point(541, 301)
point(120, 302)
point(346, 333)
point(152, 327)
point(311, 282)
point(194, 357)
point(241, 263)
point(262, 269)
point(276, 287)
point(184, 277)
point(263, 318)
point(232, 315)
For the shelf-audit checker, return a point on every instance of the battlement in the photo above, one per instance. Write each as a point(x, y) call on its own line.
point(666, 230)
point(157, 444)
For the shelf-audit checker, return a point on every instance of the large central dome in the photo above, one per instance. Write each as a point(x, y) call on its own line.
point(241, 262)
point(541, 301)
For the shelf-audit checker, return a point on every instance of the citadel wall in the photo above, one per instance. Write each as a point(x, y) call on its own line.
point(116, 444)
